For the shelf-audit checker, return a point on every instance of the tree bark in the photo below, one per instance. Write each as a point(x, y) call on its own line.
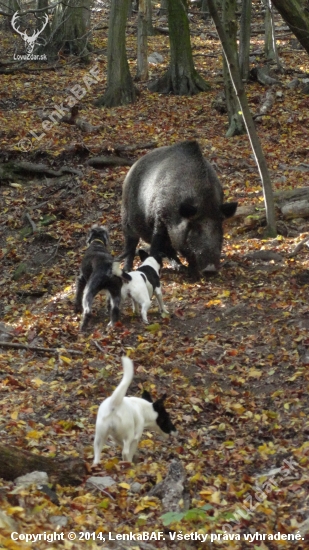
point(181, 77)
point(150, 28)
point(15, 462)
point(70, 28)
point(296, 15)
point(270, 46)
point(142, 38)
point(232, 62)
point(120, 88)
point(236, 126)
point(244, 39)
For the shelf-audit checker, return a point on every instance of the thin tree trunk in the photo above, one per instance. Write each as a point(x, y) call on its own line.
point(150, 28)
point(244, 39)
point(270, 46)
point(236, 126)
point(142, 28)
point(296, 15)
point(232, 62)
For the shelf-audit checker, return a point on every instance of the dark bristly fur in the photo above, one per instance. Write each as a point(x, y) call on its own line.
point(173, 200)
point(98, 272)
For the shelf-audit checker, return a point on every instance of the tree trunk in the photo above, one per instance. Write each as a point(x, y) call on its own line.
point(15, 462)
point(163, 7)
point(232, 62)
point(236, 126)
point(205, 10)
point(142, 27)
point(181, 77)
point(244, 39)
point(270, 46)
point(296, 15)
point(150, 28)
point(120, 88)
point(44, 38)
point(70, 28)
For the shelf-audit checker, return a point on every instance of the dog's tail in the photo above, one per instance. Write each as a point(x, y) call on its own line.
point(121, 390)
point(116, 270)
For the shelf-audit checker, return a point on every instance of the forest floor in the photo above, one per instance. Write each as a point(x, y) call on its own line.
point(233, 355)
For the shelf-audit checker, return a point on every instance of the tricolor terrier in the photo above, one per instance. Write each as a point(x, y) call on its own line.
point(143, 283)
point(125, 418)
point(98, 272)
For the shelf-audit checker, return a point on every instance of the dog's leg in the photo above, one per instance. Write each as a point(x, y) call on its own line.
point(158, 294)
point(135, 306)
point(80, 287)
point(133, 449)
point(126, 451)
point(94, 285)
point(99, 441)
point(108, 302)
point(138, 432)
point(115, 308)
point(145, 307)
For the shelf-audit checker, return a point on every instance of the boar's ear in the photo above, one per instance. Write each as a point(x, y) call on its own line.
point(143, 254)
point(228, 209)
point(187, 210)
point(146, 395)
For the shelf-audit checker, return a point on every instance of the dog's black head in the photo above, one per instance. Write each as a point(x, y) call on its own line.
point(146, 395)
point(98, 233)
point(163, 420)
point(143, 254)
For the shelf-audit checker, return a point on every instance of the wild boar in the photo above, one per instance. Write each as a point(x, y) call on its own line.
point(172, 199)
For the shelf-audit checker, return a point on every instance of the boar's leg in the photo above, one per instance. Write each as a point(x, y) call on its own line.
point(193, 270)
point(129, 251)
point(161, 245)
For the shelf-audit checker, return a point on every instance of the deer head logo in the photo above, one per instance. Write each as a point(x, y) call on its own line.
point(29, 40)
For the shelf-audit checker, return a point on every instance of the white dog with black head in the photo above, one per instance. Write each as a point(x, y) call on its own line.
point(125, 418)
point(143, 283)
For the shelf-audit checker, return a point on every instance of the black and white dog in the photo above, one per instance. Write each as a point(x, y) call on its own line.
point(143, 283)
point(98, 272)
point(125, 418)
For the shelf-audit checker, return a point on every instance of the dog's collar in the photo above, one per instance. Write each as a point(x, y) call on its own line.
point(98, 240)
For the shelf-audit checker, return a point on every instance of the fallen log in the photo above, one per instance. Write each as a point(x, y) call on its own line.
point(295, 209)
point(10, 171)
point(262, 77)
point(81, 123)
point(100, 162)
point(267, 104)
point(15, 462)
point(36, 348)
point(290, 204)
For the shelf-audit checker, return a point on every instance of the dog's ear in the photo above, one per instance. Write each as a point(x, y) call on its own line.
point(146, 395)
point(104, 235)
point(163, 398)
point(90, 236)
point(143, 254)
point(160, 402)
